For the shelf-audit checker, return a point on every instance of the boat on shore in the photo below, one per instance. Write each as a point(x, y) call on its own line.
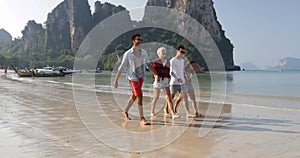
point(68, 71)
point(48, 69)
point(39, 73)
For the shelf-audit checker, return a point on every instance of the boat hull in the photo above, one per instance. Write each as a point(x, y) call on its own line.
point(38, 74)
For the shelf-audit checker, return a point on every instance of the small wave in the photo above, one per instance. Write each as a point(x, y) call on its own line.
point(266, 96)
point(267, 107)
point(14, 77)
point(50, 81)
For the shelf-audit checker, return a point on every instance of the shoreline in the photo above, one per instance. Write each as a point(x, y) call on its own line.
point(8, 71)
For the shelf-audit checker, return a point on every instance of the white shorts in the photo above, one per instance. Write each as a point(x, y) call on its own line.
point(163, 83)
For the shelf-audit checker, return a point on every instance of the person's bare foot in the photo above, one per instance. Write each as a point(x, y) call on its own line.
point(166, 111)
point(190, 115)
point(144, 121)
point(175, 116)
point(199, 115)
point(166, 114)
point(152, 114)
point(126, 115)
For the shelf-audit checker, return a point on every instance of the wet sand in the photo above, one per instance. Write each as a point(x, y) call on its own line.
point(8, 71)
point(42, 121)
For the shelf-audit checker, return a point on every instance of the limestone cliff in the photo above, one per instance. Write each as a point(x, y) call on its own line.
point(33, 36)
point(203, 11)
point(104, 10)
point(4, 35)
point(68, 24)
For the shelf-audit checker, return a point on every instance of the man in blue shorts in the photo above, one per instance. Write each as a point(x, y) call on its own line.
point(177, 82)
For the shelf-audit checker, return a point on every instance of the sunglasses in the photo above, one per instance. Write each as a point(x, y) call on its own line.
point(139, 39)
point(182, 52)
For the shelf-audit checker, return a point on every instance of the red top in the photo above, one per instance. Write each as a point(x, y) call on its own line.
point(162, 71)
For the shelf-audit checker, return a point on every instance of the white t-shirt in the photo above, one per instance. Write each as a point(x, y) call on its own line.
point(177, 67)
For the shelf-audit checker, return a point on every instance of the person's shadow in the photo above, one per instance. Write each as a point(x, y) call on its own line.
point(244, 124)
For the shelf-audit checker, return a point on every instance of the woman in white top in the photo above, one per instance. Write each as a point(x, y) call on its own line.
point(189, 70)
point(162, 67)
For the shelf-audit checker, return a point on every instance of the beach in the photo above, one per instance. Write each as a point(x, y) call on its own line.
point(39, 118)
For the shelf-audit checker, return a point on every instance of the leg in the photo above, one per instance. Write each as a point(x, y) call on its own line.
point(169, 102)
point(136, 89)
point(139, 102)
point(172, 91)
point(169, 99)
point(154, 101)
point(178, 100)
point(185, 102)
point(193, 99)
point(128, 106)
point(166, 110)
point(184, 91)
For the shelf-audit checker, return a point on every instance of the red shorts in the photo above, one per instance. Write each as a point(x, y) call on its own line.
point(137, 87)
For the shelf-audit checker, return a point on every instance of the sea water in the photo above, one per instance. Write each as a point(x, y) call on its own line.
point(274, 89)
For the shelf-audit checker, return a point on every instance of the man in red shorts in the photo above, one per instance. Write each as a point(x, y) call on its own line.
point(134, 62)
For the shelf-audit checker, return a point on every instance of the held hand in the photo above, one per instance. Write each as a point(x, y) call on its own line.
point(180, 80)
point(116, 84)
point(157, 78)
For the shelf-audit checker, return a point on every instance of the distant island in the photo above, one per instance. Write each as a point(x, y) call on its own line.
point(71, 20)
point(249, 66)
point(287, 63)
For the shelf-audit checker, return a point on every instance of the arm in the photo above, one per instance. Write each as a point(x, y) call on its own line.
point(192, 71)
point(116, 85)
point(173, 74)
point(120, 69)
point(196, 67)
point(154, 72)
point(178, 79)
point(149, 65)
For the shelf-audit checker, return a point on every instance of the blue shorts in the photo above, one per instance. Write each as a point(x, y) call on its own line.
point(189, 88)
point(178, 88)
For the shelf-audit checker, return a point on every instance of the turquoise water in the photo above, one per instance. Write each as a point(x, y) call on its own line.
point(265, 83)
point(275, 89)
point(260, 83)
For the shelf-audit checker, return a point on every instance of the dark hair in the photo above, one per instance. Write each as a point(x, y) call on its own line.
point(192, 61)
point(134, 36)
point(180, 47)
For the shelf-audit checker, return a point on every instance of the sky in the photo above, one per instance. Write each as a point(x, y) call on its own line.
point(262, 31)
